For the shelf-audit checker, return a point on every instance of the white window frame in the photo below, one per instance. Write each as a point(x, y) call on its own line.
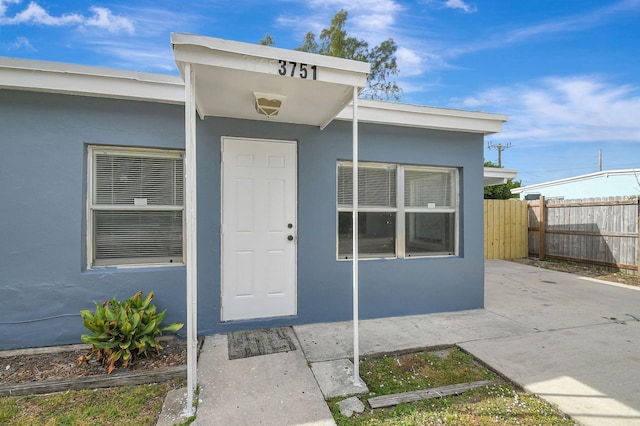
point(366, 209)
point(400, 210)
point(92, 151)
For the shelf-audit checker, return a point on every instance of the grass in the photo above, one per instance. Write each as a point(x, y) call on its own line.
point(497, 404)
point(139, 405)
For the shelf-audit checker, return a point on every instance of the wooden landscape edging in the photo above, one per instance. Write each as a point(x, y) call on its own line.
point(413, 396)
point(98, 381)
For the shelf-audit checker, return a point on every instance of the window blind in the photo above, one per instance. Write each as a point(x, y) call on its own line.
point(422, 188)
point(137, 207)
point(376, 186)
point(122, 179)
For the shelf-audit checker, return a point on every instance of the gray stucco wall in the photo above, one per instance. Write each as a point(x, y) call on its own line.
point(387, 286)
point(43, 279)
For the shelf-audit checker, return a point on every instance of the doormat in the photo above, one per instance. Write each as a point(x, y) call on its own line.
point(245, 344)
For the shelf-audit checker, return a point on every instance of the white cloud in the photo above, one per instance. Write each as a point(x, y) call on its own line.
point(143, 31)
point(34, 14)
point(409, 62)
point(4, 5)
point(22, 43)
point(565, 24)
point(461, 5)
point(566, 109)
point(360, 7)
point(147, 55)
point(103, 18)
point(372, 20)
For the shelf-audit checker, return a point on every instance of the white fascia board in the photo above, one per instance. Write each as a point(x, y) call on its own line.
point(207, 62)
point(51, 77)
point(500, 172)
point(236, 48)
point(605, 173)
point(498, 176)
point(425, 117)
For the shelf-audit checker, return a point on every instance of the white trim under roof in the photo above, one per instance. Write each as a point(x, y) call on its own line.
point(498, 176)
point(605, 173)
point(426, 117)
point(53, 77)
point(307, 88)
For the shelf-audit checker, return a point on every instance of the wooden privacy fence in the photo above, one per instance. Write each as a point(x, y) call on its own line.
point(505, 229)
point(599, 231)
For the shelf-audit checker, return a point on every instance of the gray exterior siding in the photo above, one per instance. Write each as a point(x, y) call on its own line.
point(43, 278)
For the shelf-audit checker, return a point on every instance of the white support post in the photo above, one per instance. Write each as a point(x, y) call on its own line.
point(356, 337)
point(192, 237)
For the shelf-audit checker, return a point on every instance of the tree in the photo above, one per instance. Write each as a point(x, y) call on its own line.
point(500, 192)
point(334, 41)
point(267, 41)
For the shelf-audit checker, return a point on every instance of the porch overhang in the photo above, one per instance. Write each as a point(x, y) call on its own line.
point(498, 176)
point(239, 80)
point(314, 89)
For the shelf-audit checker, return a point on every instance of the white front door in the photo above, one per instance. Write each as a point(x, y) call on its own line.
point(258, 228)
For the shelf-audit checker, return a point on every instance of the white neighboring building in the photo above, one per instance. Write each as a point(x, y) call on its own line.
point(611, 183)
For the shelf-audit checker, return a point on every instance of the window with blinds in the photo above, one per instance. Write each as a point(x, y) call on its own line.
point(376, 185)
point(136, 207)
point(377, 188)
point(421, 222)
point(430, 205)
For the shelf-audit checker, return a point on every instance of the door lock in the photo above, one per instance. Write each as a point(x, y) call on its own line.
point(290, 238)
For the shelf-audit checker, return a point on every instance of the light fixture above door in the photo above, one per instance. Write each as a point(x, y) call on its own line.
point(268, 104)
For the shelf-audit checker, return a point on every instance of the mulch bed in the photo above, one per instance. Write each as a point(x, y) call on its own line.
point(63, 364)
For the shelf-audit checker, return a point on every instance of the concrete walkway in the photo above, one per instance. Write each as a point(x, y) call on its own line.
point(573, 341)
point(583, 349)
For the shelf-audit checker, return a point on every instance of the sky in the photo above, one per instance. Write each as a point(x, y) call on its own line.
point(566, 72)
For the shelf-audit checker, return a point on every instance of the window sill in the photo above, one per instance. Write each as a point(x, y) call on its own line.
point(434, 256)
point(133, 268)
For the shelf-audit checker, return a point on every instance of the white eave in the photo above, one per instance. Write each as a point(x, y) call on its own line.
point(498, 176)
point(227, 73)
point(52, 77)
point(426, 117)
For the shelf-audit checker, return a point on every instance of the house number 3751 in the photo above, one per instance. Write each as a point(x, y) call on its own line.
point(295, 69)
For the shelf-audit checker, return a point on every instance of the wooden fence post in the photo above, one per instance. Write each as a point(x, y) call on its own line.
point(542, 225)
point(638, 242)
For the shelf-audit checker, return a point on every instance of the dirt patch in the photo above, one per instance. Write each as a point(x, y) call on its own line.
point(64, 365)
point(410, 363)
point(583, 269)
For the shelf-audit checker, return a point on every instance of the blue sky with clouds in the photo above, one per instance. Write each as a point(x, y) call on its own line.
point(567, 72)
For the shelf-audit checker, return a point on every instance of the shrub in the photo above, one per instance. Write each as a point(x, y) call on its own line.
point(123, 331)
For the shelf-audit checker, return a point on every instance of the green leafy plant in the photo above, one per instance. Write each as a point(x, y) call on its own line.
point(123, 331)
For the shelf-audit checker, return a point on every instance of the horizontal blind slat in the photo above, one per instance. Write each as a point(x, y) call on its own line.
point(424, 187)
point(376, 186)
point(121, 179)
point(141, 234)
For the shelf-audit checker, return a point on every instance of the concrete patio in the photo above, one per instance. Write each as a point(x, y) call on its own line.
point(574, 341)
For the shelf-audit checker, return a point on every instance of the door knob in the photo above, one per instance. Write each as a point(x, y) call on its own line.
point(290, 238)
point(290, 225)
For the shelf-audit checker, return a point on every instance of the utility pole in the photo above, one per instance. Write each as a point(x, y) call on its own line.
point(599, 160)
point(499, 147)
